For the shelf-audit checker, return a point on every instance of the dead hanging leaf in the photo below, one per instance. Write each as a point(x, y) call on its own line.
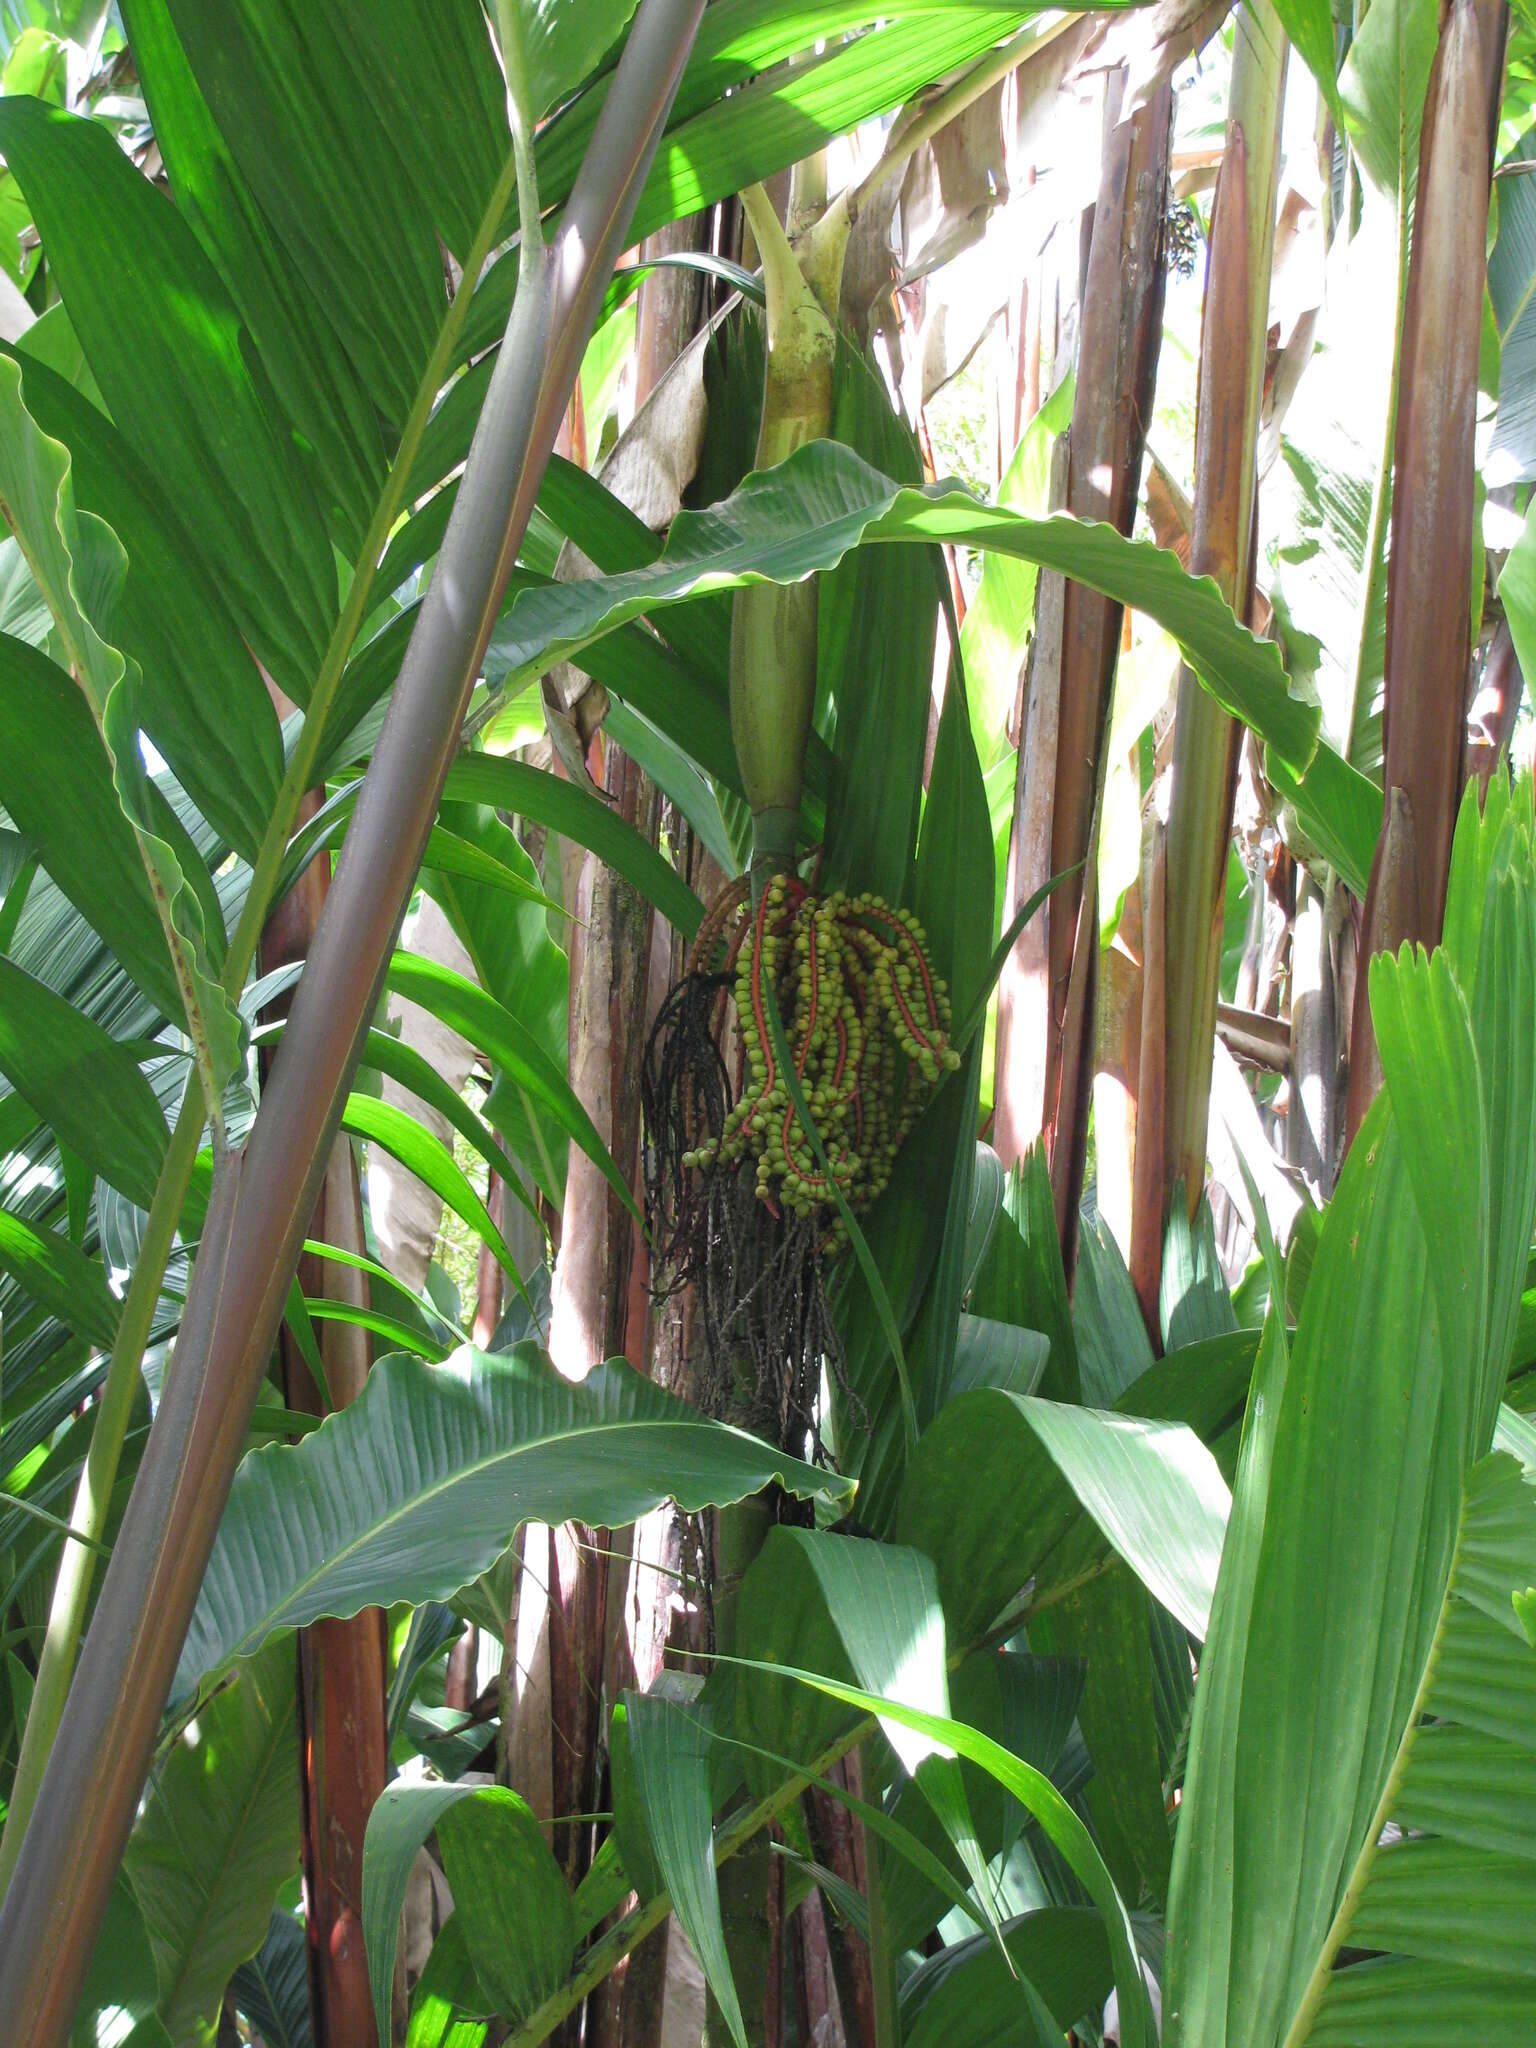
point(1154, 41)
point(1168, 508)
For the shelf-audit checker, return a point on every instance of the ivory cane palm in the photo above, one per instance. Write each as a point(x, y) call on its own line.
point(261, 1198)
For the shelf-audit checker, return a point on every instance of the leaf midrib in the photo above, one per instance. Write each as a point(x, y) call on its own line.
point(1299, 2031)
point(251, 1640)
point(277, 1727)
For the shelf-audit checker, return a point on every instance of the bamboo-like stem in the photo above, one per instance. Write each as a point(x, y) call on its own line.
point(882, 1957)
point(1121, 329)
point(343, 1662)
point(262, 1199)
point(1429, 575)
point(93, 1496)
point(605, 1955)
point(71, 1595)
point(1144, 1256)
point(1222, 545)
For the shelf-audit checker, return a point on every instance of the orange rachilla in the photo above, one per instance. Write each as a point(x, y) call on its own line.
point(867, 1024)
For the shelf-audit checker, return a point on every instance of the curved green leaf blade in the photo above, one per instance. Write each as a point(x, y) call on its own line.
point(419, 1486)
point(1039, 1796)
point(1448, 1905)
point(509, 1898)
point(169, 359)
point(1430, 1070)
point(272, 1989)
point(802, 517)
point(62, 1279)
point(416, 1148)
point(965, 1998)
point(56, 783)
point(559, 46)
point(1153, 1489)
point(528, 1880)
point(575, 813)
point(80, 567)
point(449, 1998)
point(217, 1835)
point(492, 1027)
point(668, 1745)
point(206, 706)
point(82, 1081)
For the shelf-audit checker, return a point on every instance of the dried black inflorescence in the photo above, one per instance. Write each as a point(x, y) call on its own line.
point(743, 1206)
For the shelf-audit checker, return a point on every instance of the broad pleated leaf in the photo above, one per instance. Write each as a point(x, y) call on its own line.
point(1355, 1544)
point(1309, 24)
point(62, 1279)
point(1194, 1303)
point(1451, 1901)
point(217, 1835)
point(964, 1997)
point(1323, 1654)
point(849, 1607)
point(1021, 1280)
point(1382, 84)
point(1151, 1488)
point(272, 1989)
point(449, 1997)
point(1106, 1623)
point(1490, 937)
point(421, 1484)
point(736, 118)
point(846, 1606)
point(80, 568)
point(1113, 1350)
point(804, 515)
point(205, 705)
point(1430, 1067)
point(511, 1902)
point(170, 363)
point(875, 620)
point(283, 87)
point(86, 1085)
point(318, 386)
point(993, 1354)
point(1512, 288)
point(1204, 1853)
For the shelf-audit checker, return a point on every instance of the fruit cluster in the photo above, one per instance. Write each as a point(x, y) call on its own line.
point(866, 1023)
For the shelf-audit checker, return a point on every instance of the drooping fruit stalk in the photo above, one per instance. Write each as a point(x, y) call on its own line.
point(1222, 545)
point(1429, 575)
